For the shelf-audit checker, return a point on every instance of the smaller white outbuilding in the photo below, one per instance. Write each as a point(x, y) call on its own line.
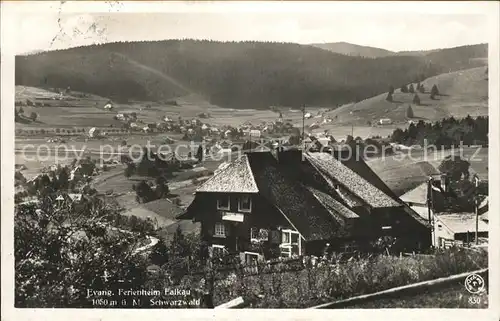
point(385, 121)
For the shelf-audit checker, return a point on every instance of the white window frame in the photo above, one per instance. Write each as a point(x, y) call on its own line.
point(288, 246)
point(254, 232)
point(220, 224)
point(228, 203)
point(217, 246)
point(240, 209)
point(252, 254)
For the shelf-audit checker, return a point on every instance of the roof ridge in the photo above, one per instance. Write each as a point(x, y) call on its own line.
point(242, 161)
point(332, 199)
point(230, 164)
point(330, 182)
point(319, 159)
point(284, 191)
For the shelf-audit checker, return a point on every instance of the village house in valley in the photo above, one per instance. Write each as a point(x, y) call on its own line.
point(290, 203)
point(450, 228)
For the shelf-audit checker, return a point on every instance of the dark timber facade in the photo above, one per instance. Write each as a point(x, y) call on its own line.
point(290, 203)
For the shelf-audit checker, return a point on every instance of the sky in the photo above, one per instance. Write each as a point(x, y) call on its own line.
point(58, 28)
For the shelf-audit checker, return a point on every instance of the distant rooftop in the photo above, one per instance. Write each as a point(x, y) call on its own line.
point(462, 222)
point(417, 195)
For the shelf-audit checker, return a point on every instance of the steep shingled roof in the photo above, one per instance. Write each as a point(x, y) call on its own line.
point(351, 180)
point(362, 169)
point(417, 195)
point(462, 222)
point(306, 213)
point(235, 178)
point(333, 204)
point(311, 172)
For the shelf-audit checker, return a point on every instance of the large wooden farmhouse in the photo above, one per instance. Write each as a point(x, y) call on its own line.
point(287, 203)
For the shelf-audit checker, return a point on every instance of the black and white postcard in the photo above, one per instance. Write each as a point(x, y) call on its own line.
point(274, 160)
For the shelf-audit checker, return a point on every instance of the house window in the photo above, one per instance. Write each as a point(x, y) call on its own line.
point(285, 237)
point(254, 234)
point(223, 202)
point(259, 235)
point(251, 257)
point(218, 250)
point(290, 243)
point(219, 230)
point(245, 203)
point(350, 247)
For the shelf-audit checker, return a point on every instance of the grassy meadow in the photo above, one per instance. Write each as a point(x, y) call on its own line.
point(403, 173)
point(337, 281)
point(462, 93)
point(451, 297)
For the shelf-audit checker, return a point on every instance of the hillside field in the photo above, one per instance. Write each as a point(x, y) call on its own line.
point(462, 93)
point(402, 174)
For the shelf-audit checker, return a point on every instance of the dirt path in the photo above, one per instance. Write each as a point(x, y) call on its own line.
point(153, 242)
point(156, 72)
point(186, 183)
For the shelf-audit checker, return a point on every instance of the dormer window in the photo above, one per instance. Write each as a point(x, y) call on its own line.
point(245, 203)
point(223, 202)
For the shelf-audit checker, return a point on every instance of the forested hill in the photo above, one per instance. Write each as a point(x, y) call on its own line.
point(350, 49)
point(233, 74)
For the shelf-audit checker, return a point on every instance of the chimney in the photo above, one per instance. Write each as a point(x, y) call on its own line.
point(289, 157)
point(344, 152)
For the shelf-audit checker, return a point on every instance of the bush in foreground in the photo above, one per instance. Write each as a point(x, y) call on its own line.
point(62, 252)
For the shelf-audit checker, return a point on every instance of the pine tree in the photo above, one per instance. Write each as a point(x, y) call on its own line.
point(199, 153)
point(162, 190)
point(391, 90)
point(421, 89)
point(144, 192)
point(129, 170)
point(434, 91)
point(63, 178)
point(179, 246)
point(411, 89)
point(179, 254)
point(416, 99)
point(404, 89)
point(409, 112)
point(389, 96)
